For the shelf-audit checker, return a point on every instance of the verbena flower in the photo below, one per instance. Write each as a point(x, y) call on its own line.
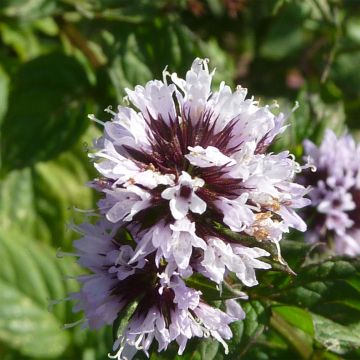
point(336, 193)
point(182, 170)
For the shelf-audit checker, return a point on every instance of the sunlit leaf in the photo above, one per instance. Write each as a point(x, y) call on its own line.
point(335, 337)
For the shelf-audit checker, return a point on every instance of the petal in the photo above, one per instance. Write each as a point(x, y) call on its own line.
point(179, 208)
point(170, 192)
point(117, 212)
point(197, 204)
point(234, 309)
point(207, 157)
point(182, 250)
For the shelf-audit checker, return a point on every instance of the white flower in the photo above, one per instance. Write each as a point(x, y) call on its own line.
point(236, 258)
point(155, 99)
point(234, 309)
point(211, 156)
point(123, 204)
point(237, 215)
point(183, 197)
point(182, 240)
point(127, 128)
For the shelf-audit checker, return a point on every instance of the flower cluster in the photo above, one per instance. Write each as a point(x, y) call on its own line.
point(336, 193)
point(180, 166)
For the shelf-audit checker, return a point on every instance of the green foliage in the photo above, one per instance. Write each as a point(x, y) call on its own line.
point(29, 278)
point(61, 60)
point(45, 113)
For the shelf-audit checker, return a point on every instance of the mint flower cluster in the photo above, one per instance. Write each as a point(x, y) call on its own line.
point(176, 167)
point(335, 212)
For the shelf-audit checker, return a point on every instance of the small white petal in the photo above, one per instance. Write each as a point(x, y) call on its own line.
point(210, 156)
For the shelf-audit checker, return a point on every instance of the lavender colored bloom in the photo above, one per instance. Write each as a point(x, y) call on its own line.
point(167, 310)
point(177, 175)
point(336, 193)
point(190, 159)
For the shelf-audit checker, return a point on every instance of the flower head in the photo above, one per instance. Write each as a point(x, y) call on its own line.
point(166, 309)
point(336, 192)
point(196, 157)
point(181, 170)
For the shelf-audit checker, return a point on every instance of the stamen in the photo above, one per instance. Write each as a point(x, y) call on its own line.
point(93, 118)
point(295, 107)
point(109, 110)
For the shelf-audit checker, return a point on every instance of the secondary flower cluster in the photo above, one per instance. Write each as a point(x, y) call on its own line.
point(178, 168)
point(336, 193)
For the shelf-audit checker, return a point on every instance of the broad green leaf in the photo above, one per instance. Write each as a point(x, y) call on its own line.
point(246, 332)
point(328, 288)
point(144, 54)
point(28, 328)
point(335, 337)
point(209, 349)
point(42, 199)
point(295, 252)
point(47, 111)
point(296, 338)
point(29, 279)
point(60, 189)
point(297, 317)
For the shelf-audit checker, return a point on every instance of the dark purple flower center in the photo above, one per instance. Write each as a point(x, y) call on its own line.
point(144, 286)
point(169, 145)
point(170, 142)
point(185, 191)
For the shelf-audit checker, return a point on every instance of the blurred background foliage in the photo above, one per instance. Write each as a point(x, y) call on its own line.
point(63, 59)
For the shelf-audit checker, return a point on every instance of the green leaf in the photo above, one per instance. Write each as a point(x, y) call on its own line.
point(42, 199)
point(47, 111)
point(128, 69)
point(335, 337)
point(21, 39)
point(329, 288)
point(143, 52)
point(297, 317)
point(246, 332)
point(59, 187)
point(285, 35)
point(311, 119)
point(29, 279)
point(121, 322)
point(298, 340)
point(27, 9)
point(27, 327)
point(209, 349)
